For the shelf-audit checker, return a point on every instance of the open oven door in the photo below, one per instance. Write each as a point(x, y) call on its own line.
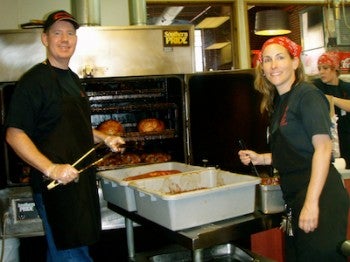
point(223, 107)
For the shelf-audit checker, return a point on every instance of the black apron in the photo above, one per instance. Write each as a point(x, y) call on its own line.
point(73, 210)
point(294, 168)
point(295, 172)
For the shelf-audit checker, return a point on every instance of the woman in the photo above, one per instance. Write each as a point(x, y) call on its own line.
point(299, 136)
point(338, 92)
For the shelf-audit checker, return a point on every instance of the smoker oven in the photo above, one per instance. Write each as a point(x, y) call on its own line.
point(127, 100)
point(132, 99)
point(13, 171)
point(204, 114)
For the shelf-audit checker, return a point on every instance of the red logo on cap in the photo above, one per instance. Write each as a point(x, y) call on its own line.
point(62, 15)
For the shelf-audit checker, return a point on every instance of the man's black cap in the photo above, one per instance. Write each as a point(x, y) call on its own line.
point(59, 16)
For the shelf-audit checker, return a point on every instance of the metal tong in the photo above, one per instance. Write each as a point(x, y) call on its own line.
point(252, 166)
point(55, 183)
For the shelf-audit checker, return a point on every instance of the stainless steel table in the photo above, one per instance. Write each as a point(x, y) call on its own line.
point(198, 238)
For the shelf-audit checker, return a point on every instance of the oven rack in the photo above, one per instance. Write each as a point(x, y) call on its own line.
point(124, 89)
point(147, 136)
point(104, 97)
point(105, 108)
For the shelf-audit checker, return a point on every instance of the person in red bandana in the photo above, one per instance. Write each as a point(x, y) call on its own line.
point(301, 149)
point(338, 92)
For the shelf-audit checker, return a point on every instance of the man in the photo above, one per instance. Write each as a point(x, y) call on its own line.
point(49, 127)
point(338, 93)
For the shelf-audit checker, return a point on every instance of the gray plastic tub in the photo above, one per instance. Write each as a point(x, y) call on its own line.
point(118, 192)
point(195, 198)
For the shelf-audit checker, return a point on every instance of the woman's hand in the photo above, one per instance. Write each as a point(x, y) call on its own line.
point(247, 156)
point(308, 219)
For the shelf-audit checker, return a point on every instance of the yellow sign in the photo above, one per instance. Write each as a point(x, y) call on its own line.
point(176, 38)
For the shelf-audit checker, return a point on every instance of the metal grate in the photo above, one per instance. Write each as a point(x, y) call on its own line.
point(343, 28)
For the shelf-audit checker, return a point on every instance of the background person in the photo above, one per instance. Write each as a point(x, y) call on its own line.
point(301, 146)
point(338, 92)
point(49, 127)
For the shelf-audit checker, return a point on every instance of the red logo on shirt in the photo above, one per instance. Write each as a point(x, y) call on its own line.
point(283, 121)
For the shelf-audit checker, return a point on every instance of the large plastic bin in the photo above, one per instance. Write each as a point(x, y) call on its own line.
point(195, 198)
point(115, 189)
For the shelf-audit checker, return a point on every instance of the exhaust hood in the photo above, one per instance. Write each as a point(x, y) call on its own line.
point(88, 12)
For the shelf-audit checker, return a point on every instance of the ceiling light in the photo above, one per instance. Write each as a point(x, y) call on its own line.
point(272, 22)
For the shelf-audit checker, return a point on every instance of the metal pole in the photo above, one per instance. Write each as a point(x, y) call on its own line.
point(137, 12)
point(130, 238)
point(87, 12)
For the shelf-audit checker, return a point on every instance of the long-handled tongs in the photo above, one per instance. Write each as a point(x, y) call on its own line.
point(55, 183)
point(252, 166)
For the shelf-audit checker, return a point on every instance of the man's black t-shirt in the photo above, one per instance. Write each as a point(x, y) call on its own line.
point(36, 104)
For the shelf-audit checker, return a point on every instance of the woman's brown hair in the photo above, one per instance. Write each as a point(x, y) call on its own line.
point(268, 90)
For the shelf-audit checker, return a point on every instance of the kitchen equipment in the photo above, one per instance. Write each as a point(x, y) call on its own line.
point(225, 252)
point(55, 183)
point(118, 51)
point(117, 191)
point(130, 100)
point(270, 199)
point(188, 105)
point(194, 133)
point(219, 116)
point(195, 198)
point(88, 153)
point(253, 167)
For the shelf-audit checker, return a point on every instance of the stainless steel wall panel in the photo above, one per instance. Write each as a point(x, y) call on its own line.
point(19, 50)
point(101, 51)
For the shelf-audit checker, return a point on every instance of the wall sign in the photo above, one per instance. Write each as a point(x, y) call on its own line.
point(176, 38)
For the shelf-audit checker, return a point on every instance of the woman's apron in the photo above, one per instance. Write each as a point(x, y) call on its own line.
point(73, 210)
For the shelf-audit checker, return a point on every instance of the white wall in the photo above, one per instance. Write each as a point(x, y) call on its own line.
point(16, 12)
point(114, 12)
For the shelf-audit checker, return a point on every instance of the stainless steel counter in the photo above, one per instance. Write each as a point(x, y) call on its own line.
point(198, 238)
